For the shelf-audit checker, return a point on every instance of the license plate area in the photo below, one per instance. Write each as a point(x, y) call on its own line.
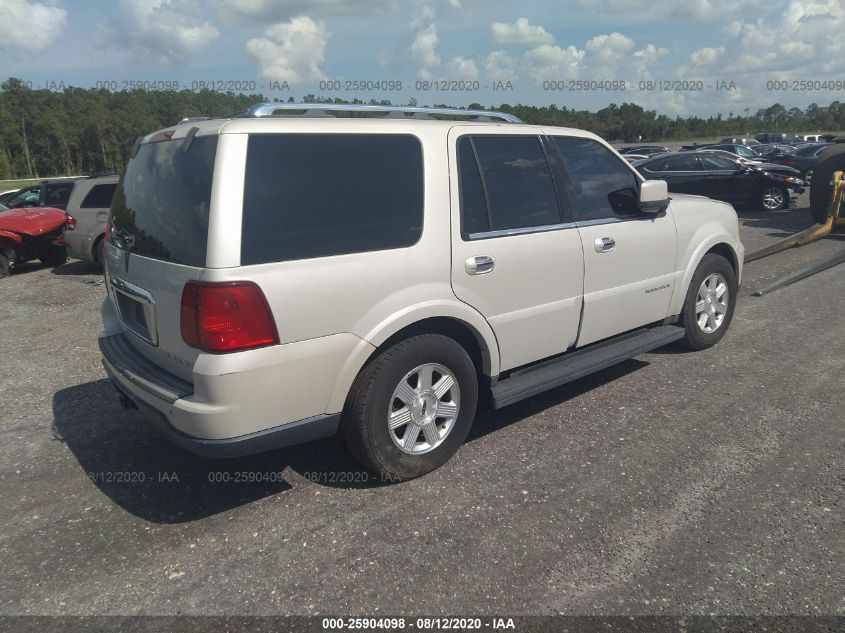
point(135, 308)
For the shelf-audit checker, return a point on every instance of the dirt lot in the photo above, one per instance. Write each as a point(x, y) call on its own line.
point(673, 483)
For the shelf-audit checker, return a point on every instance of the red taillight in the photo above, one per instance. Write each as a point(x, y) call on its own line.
point(226, 317)
point(70, 222)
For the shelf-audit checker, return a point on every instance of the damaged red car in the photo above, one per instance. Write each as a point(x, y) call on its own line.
point(32, 233)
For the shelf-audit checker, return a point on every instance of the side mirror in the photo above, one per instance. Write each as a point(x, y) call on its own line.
point(654, 196)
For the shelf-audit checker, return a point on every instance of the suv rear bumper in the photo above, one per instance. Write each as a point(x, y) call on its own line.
point(159, 396)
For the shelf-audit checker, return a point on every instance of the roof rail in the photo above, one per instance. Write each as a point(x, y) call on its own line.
point(323, 109)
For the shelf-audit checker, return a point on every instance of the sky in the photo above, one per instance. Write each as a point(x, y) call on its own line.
point(679, 58)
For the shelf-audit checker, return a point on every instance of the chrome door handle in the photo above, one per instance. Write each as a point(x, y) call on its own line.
point(479, 264)
point(604, 244)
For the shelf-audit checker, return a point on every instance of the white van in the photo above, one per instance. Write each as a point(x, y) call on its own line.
point(89, 205)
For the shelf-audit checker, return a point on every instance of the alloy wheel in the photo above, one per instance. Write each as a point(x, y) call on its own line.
point(712, 302)
point(423, 409)
point(773, 199)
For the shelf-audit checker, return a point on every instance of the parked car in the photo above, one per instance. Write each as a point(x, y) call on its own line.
point(803, 158)
point(774, 148)
point(773, 168)
point(734, 148)
point(750, 142)
point(777, 137)
point(277, 276)
point(8, 193)
point(31, 233)
point(645, 150)
point(718, 177)
point(633, 158)
point(89, 205)
point(48, 193)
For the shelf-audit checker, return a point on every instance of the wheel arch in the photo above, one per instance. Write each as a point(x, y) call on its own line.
point(477, 339)
point(719, 244)
point(724, 249)
point(95, 245)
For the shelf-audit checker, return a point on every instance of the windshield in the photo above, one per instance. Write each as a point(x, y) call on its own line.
point(160, 207)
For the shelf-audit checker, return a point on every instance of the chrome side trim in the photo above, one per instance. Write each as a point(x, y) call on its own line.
point(599, 221)
point(521, 231)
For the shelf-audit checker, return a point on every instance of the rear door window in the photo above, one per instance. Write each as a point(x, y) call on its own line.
point(99, 197)
point(316, 195)
point(717, 163)
point(517, 183)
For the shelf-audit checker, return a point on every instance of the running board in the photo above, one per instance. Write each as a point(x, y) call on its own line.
point(535, 379)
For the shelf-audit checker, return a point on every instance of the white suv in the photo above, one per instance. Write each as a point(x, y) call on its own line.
point(279, 275)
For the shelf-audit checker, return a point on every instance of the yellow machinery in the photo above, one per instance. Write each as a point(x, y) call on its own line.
point(815, 232)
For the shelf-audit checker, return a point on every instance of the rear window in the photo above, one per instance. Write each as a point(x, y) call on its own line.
point(162, 201)
point(99, 197)
point(315, 195)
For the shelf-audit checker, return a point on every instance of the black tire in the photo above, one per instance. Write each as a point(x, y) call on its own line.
point(831, 159)
point(365, 415)
point(5, 265)
point(783, 192)
point(55, 256)
point(696, 338)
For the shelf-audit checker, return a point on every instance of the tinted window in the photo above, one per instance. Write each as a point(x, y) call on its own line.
point(684, 162)
point(314, 195)
point(99, 197)
point(163, 200)
point(605, 187)
point(474, 217)
point(518, 182)
point(57, 195)
point(717, 163)
point(742, 150)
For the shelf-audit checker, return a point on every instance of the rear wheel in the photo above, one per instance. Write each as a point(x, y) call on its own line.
point(411, 407)
point(710, 302)
point(5, 265)
point(774, 198)
point(55, 256)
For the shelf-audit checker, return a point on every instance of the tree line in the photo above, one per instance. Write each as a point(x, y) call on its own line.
point(85, 130)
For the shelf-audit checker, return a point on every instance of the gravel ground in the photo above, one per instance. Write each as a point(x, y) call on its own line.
point(676, 483)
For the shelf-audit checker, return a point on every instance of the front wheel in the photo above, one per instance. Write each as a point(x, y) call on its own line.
point(709, 304)
point(5, 265)
point(774, 198)
point(411, 407)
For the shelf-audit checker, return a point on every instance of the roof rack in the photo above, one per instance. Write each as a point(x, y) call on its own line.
point(323, 109)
